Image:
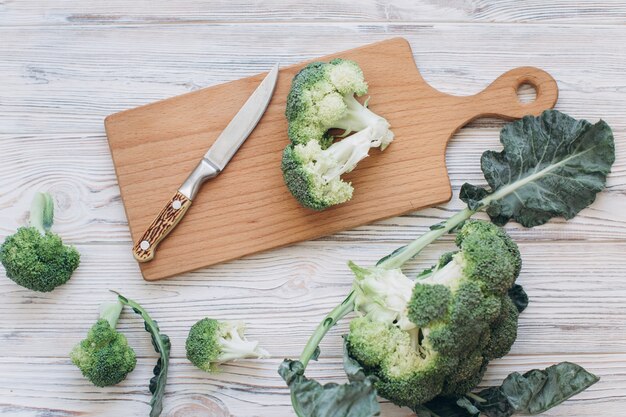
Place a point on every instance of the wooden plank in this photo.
(40, 12)
(54, 80)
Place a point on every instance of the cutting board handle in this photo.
(500, 98)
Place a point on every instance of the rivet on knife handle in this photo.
(164, 223)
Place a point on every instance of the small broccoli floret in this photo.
(211, 342)
(466, 376)
(503, 331)
(430, 302)
(406, 375)
(36, 258)
(104, 357)
(489, 255)
(322, 97)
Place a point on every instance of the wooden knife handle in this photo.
(164, 223)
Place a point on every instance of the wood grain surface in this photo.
(67, 65)
(247, 208)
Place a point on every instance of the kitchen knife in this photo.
(211, 164)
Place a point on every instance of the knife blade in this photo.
(212, 163)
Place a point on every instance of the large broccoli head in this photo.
(447, 325)
(211, 342)
(104, 356)
(36, 258)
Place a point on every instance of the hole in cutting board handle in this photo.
(526, 93)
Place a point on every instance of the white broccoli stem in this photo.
(358, 117)
(111, 312)
(448, 275)
(236, 346)
(42, 212)
(347, 153)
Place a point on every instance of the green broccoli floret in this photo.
(211, 342)
(322, 97)
(104, 357)
(36, 258)
(503, 331)
(406, 375)
(313, 174)
(435, 335)
(466, 376)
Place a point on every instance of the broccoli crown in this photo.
(436, 335)
(39, 262)
(406, 375)
(503, 331)
(489, 255)
(211, 342)
(316, 103)
(104, 357)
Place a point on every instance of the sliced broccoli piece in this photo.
(36, 258)
(406, 375)
(313, 174)
(503, 331)
(104, 356)
(211, 342)
(322, 97)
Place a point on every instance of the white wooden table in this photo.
(65, 65)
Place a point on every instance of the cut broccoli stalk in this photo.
(36, 258)
(358, 117)
(104, 356)
(42, 212)
(211, 342)
(313, 174)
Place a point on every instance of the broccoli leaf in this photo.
(495, 403)
(447, 407)
(162, 345)
(519, 297)
(536, 391)
(311, 399)
(354, 370)
(552, 165)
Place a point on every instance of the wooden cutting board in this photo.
(247, 208)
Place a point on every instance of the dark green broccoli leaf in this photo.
(519, 297)
(447, 407)
(311, 399)
(551, 166)
(162, 345)
(535, 391)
